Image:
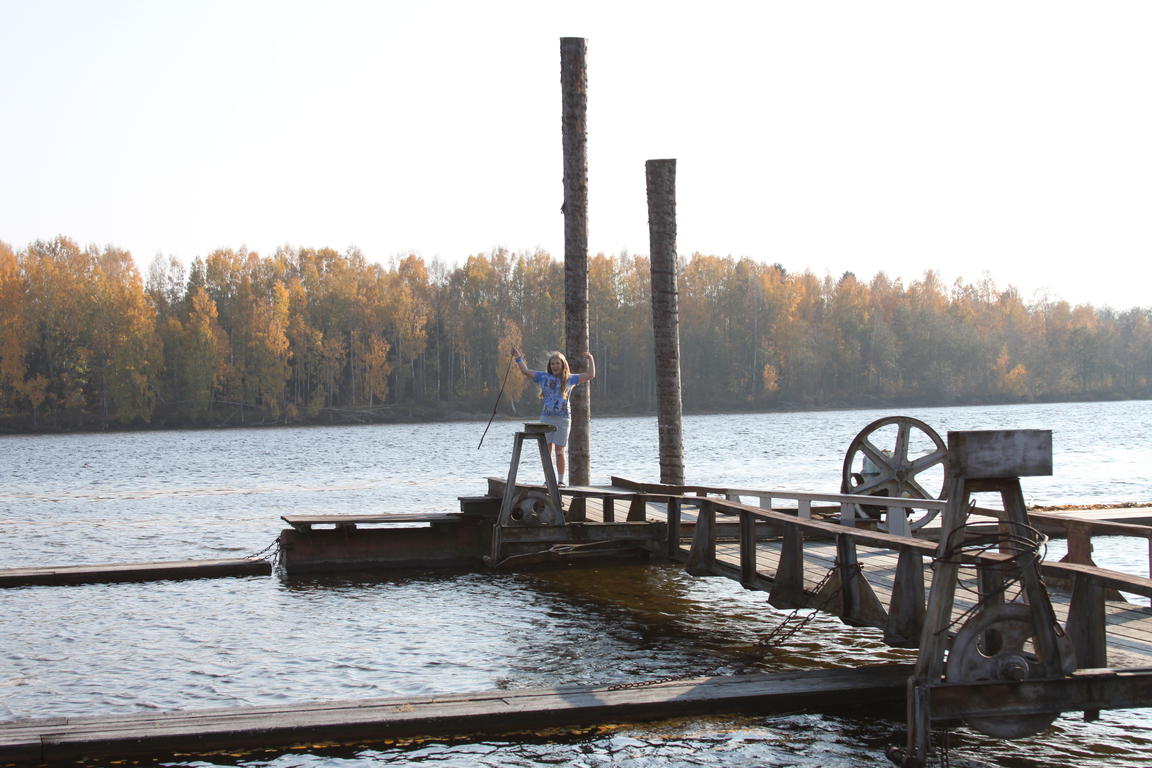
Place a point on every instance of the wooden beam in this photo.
(747, 550)
(660, 177)
(305, 522)
(674, 510)
(1086, 690)
(906, 611)
(131, 572)
(638, 509)
(574, 136)
(1124, 582)
(59, 740)
(788, 589)
(577, 510)
(1000, 453)
(702, 558)
(859, 606)
(1086, 627)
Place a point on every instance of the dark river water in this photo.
(73, 499)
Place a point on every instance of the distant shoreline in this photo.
(432, 415)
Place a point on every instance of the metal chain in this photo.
(274, 557)
(785, 630)
(781, 633)
(659, 680)
(560, 550)
(1028, 542)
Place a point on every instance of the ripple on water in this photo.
(71, 499)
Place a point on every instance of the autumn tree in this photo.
(123, 339)
(202, 349)
(60, 278)
(14, 332)
(307, 334)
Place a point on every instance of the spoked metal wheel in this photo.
(997, 644)
(897, 456)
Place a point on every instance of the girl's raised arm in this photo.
(589, 374)
(519, 360)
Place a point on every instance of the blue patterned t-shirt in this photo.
(555, 404)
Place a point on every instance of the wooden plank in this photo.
(1091, 690)
(305, 522)
(587, 532)
(1000, 453)
(131, 572)
(496, 487)
(492, 712)
(1135, 522)
(1107, 578)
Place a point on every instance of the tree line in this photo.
(316, 336)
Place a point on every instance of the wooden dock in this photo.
(59, 740)
(1007, 641)
(805, 557)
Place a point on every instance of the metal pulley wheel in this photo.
(997, 645)
(534, 508)
(896, 456)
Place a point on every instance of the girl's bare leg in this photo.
(561, 462)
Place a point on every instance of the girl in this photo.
(555, 386)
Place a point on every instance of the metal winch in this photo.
(527, 507)
(1010, 634)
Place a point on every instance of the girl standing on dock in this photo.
(555, 386)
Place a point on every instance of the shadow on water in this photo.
(616, 623)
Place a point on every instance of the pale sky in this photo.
(1004, 139)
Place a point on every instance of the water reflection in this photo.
(805, 740)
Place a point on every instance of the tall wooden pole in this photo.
(661, 177)
(574, 83)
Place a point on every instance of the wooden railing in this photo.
(895, 515)
(856, 602)
(1080, 532)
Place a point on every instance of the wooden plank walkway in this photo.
(56, 740)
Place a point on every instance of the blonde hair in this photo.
(565, 372)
